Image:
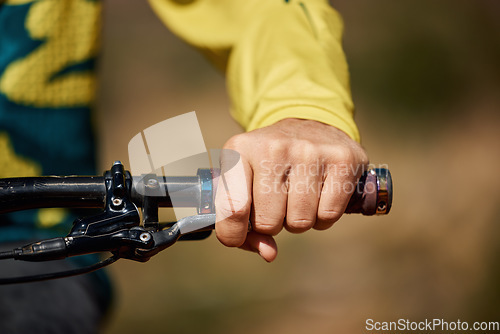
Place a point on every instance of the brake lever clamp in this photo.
(116, 229)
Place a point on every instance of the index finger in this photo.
(233, 199)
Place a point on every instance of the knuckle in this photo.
(229, 240)
(239, 214)
(269, 227)
(343, 154)
(306, 151)
(278, 146)
(298, 225)
(362, 162)
(329, 216)
(236, 141)
(276, 150)
(363, 159)
(230, 232)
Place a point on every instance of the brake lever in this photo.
(166, 238)
(117, 229)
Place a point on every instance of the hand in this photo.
(297, 174)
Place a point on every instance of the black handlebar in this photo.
(373, 194)
(25, 193)
(117, 228)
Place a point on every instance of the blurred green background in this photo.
(426, 83)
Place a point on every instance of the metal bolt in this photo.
(152, 183)
(145, 237)
(68, 240)
(117, 201)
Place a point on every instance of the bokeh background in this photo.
(426, 83)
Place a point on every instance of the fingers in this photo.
(335, 195)
(269, 199)
(272, 184)
(262, 244)
(285, 196)
(340, 182)
(303, 199)
(233, 201)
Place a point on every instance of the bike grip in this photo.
(372, 194)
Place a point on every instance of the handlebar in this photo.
(373, 194)
(117, 228)
(25, 193)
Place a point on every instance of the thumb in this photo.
(263, 244)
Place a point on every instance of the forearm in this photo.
(282, 59)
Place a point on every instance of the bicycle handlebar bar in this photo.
(117, 228)
(373, 194)
(25, 193)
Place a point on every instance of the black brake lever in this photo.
(116, 229)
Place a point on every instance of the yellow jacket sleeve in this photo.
(283, 59)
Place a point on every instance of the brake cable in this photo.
(61, 274)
